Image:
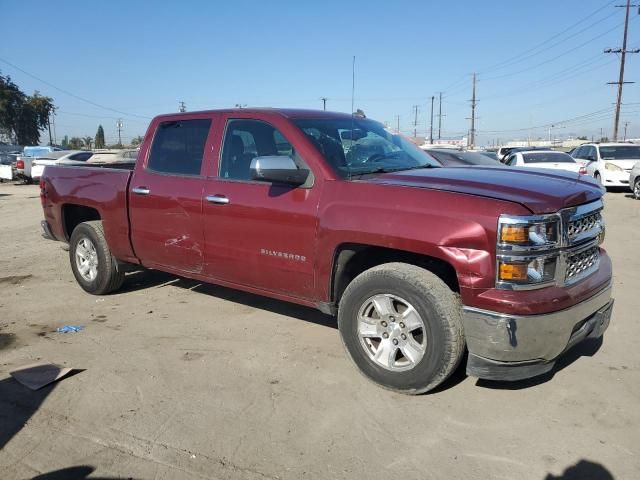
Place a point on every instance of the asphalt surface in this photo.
(176, 379)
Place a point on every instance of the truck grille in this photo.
(584, 224)
(581, 263)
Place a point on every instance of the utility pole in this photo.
(324, 103)
(397, 123)
(183, 107)
(415, 121)
(431, 125)
(439, 114)
(49, 125)
(55, 140)
(472, 130)
(601, 135)
(119, 124)
(623, 52)
(624, 139)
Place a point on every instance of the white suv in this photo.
(609, 163)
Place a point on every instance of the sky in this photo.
(537, 62)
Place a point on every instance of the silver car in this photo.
(634, 180)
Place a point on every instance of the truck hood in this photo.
(539, 191)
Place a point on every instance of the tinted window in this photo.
(512, 160)
(578, 152)
(245, 140)
(547, 157)
(621, 152)
(178, 147)
(81, 157)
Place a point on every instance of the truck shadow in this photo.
(80, 472)
(587, 348)
(583, 470)
(143, 279)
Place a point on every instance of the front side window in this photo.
(178, 147)
(245, 140)
(358, 146)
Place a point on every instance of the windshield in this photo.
(360, 146)
(621, 152)
(547, 157)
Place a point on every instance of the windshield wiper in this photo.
(388, 170)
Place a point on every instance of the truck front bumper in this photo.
(515, 347)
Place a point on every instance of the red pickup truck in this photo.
(333, 211)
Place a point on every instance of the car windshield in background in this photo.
(454, 158)
(621, 152)
(360, 146)
(547, 157)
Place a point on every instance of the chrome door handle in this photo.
(141, 190)
(219, 199)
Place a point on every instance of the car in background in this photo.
(489, 154)
(8, 165)
(609, 163)
(551, 159)
(634, 180)
(54, 158)
(24, 162)
(503, 152)
(458, 158)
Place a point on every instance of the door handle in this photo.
(219, 199)
(141, 190)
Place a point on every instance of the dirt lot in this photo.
(184, 380)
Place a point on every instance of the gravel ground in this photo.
(177, 379)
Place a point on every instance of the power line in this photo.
(66, 92)
(559, 34)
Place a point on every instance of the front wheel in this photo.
(402, 327)
(95, 269)
(636, 189)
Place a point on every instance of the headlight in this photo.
(514, 232)
(612, 167)
(533, 272)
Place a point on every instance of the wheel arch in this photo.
(351, 259)
(74, 214)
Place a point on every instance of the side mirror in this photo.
(278, 169)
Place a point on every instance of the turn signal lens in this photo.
(513, 271)
(514, 234)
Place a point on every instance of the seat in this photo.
(238, 163)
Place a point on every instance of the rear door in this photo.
(165, 198)
(259, 234)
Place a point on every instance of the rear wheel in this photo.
(636, 189)
(95, 269)
(402, 327)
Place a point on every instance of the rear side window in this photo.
(547, 157)
(81, 157)
(178, 147)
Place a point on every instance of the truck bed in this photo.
(102, 187)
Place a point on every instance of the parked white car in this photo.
(634, 180)
(609, 163)
(544, 159)
(39, 163)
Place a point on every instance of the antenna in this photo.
(353, 85)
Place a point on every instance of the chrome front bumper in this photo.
(498, 343)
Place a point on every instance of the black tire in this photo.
(109, 274)
(440, 309)
(598, 178)
(636, 189)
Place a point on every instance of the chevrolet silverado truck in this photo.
(419, 263)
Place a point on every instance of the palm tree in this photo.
(88, 141)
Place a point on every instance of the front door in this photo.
(165, 199)
(256, 233)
